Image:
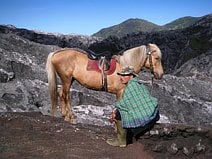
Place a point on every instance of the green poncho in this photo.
(137, 107)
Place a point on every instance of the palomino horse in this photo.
(70, 65)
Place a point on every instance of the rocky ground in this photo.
(33, 135)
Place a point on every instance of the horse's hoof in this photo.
(71, 120)
(67, 118)
(63, 115)
(63, 112)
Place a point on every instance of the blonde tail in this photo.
(52, 81)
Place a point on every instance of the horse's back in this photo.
(66, 55)
(67, 61)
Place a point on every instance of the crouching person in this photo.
(136, 112)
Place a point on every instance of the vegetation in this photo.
(182, 23)
(139, 25)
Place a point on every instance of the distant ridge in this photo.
(140, 25)
(182, 22)
(127, 27)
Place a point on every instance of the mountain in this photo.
(139, 25)
(182, 22)
(127, 27)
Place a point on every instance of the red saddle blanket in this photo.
(93, 65)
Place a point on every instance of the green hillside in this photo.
(182, 23)
(128, 27)
(139, 25)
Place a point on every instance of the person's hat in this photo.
(127, 70)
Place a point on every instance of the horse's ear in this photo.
(149, 44)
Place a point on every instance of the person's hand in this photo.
(113, 116)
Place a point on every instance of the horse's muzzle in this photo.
(158, 76)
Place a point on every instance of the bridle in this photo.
(149, 56)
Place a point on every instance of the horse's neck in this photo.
(134, 57)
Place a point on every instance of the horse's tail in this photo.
(52, 81)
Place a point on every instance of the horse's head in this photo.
(153, 60)
(144, 56)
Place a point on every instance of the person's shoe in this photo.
(120, 141)
(116, 143)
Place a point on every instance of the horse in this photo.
(70, 64)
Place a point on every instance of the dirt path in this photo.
(33, 136)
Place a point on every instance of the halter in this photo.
(149, 55)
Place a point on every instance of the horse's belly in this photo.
(90, 80)
(93, 80)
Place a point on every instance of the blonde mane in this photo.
(133, 57)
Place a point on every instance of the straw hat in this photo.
(127, 70)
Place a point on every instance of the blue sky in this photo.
(89, 16)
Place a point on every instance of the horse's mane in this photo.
(133, 57)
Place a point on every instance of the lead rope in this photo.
(152, 84)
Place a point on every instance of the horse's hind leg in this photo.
(62, 102)
(65, 95)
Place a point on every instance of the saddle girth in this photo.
(104, 75)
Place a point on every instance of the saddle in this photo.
(94, 65)
(100, 56)
(103, 63)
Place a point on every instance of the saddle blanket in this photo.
(93, 65)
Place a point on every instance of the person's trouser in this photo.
(137, 132)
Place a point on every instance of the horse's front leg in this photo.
(119, 94)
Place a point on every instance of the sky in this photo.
(87, 17)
